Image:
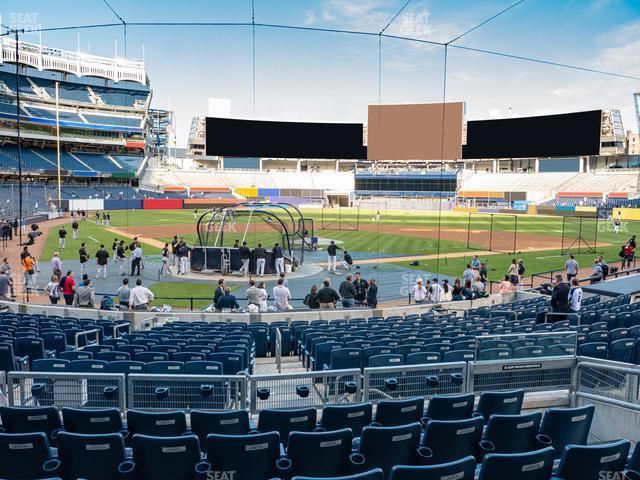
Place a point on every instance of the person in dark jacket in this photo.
(219, 291)
(102, 258)
(261, 259)
(332, 250)
(278, 255)
(84, 257)
(361, 286)
(347, 292)
(327, 296)
(245, 256)
(311, 300)
(227, 301)
(372, 294)
(347, 261)
(560, 298)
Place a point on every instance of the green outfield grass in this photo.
(169, 290)
(89, 233)
(397, 243)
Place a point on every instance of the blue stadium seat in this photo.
(593, 462)
(535, 465)
(354, 416)
(504, 403)
(345, 358)
(230, 422)
(594, 349)
(252, 457)
(54, 341)
(97, 349)
(422, 358)
(565, 426)
(185, 357)
(131, 349)
(529, 352)
(167, 457)
(30, 420)
(232, 363)
(450, 407)
(112, 356)
(127, 367)
(30, 347)
(165, 368)
(375, 474)
(26, 456)
(75, 355)
(495, 354)
(151, 356)
(514, 433)
(385, 447)
(560, 350)
(95, 457)
(450, 440)
(203, 368)
(463, 469)
(318, 454)
(50, 365)
(386, 360)
(459, 356)
(92, 421)
(399, 412)
(621, 350)
(157, 424)
(285, 421)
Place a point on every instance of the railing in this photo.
(608, 382)
(77, 390)
(86, 334)
(186, 392)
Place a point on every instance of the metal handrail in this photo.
(87, 333)
(630, 393)
(279, 350)
(121, 326)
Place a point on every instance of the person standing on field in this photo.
(261, 259)
(278, 255)
(102, 259)
(62, 233)
(84, 256)
(122, 258)
(331, 257)
(74, 228)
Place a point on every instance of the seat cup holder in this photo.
(391, 384)
(263, 393)
(302, 391)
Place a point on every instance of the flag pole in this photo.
(58, 148)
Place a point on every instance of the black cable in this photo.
(486, 21)
(253, 47)
(114, 12)
(124, 24)
(397, 15)
(411, 39)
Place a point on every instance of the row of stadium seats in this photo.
(347, 439)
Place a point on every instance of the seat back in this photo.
(503, 403)
(385, 447)
(252, 457)
(622, 350)
(355, 417)
(536, 465)
(204, 367)
(92, 421)
(451, 440)
(285, 421)
(231, 422)
(344, 358)
(593, 462)
(112, 356)
(399, 412)
(50, 365)
(30, 420)
(165, 368)
(513, 433)
(463, 469)
(386, 360)
(88, 366)
(165, 457)
(90, 456)
(450, 407)
(127, 366)
(567, 426)
(158, 424)
(23, 455)
(75, 355)
(421, 358)
(320, 454)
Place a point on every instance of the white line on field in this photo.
(94, 239)
(550, 256)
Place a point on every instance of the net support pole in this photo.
(58, 148)
(515, 234)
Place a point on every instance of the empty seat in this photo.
(459, 356)
(285, 421)
(94, 457)
(503, 403)
(127, 366)
(421, 358)
(319, 454)
(536, 465)
(26, 456)
(621, 350)
(355, 417)
(252, 457)
(566, 426)
(158, 424)
(92, 421)
(514, 433)
(148, 357)
(385, 447)
(529, 352)
(494, 354)
(345, 358)
(232, 422)
(399, 412)
(463, 469)
(203, 368)
(112, 356)
(593, 462)
(165, 368)
(450, 407)
(386, 360)
(593, 349)
(449, 440)
(166, 457)
(30, 420)
(76, 355)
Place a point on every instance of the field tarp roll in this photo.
(162, 204)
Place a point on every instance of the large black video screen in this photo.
(259, 138)
(565, 135)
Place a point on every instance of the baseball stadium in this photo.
(332, 239)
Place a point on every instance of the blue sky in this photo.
(313, 76)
